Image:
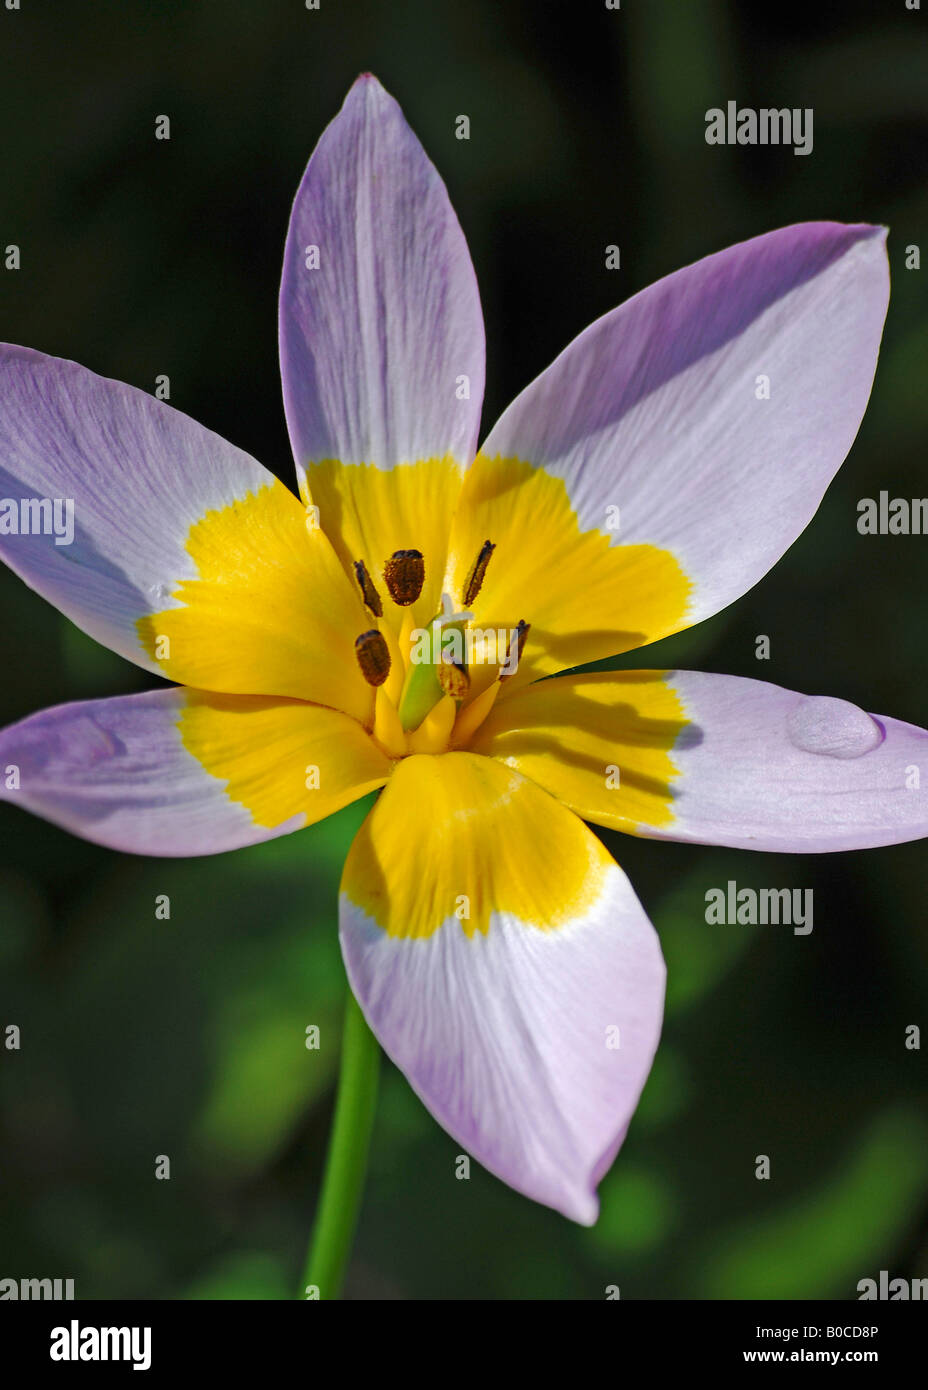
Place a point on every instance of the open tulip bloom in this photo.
(407, 625)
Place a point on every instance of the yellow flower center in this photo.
(423, 702)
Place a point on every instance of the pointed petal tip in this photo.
(874, 231)
(500, 1061)
(582, 1208)
(367, 85)
(371, 203)
(847, 234)
(871, 239)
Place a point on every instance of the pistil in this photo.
(420, 675)
(423, 687)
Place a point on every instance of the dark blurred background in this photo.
(185, 1037)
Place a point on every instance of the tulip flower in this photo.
(412, 623)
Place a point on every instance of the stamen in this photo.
(452, 678)
(388, 731)
(474, 582)
(368, 592)
(404, 575)
(471, 716)
(373, 656)
(434, 732)
(521, 633)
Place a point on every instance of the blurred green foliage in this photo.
(186, 1037)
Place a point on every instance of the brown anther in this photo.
(521, 634)
(453, 678)
(474, 582)
(368, 592)
(373, 656)
(404, 575)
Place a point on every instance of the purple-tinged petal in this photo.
(375, 339)
(174, 548)
(381, 343)
(681, 755)
(501, 957)
(182, 772)
(698, 423)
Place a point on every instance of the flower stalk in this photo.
(346, 1161)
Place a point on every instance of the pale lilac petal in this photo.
(656, 420)
(137, 473)
(374, 343)
(527, 1028)
(761, 767)
(681, 755)
(124, 772)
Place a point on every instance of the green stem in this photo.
(346, 1162)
